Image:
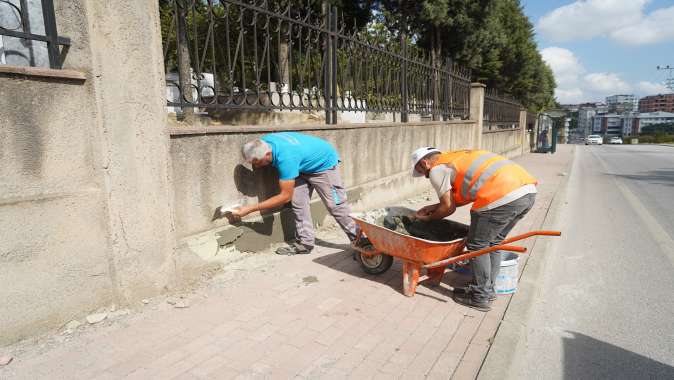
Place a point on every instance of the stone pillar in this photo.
(85, 203)
(523, 130)
(133, 143)
(477, 111)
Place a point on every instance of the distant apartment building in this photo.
(621, 103)
(641, 120)
(657, 103)
(611, 124)
(570, 107)
(586, 112)
(628, 123)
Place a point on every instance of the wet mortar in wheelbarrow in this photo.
(434, 245)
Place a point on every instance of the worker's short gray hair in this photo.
(255, 149)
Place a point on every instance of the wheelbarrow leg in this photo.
(410, 278)
(435, 275)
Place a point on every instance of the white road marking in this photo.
(660, 236)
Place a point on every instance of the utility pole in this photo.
(669, 81)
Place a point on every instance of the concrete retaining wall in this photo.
(506, 143)
(84, 198)
(207, 172)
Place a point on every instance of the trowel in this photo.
(223, 210)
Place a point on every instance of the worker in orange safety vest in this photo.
(501, 192)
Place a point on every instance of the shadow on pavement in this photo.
(658, 177)
(343, 261)
(327, 244)
(589, 358)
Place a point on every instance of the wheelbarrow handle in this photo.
(470, 255)
(530, 234)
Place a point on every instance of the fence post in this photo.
(435, 94)
(184, 63)
(333, 66)
(403, 81)
(448, 94)
(476, 112)
(50, 31)
(327, 61)
(523, 128)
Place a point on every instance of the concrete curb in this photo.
(511, 330)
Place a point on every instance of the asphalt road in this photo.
(605, 309)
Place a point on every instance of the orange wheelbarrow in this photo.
(418, 254)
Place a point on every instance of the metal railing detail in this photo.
(234, 54)
(15, 22)
(500, 111)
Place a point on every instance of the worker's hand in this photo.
(424, 218)
(426, 211)
(240, 212)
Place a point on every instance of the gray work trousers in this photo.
(487, 229)
(328, 185)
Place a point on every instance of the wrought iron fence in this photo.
(29, 30)
(500, 112)
(264, 54)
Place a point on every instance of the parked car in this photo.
(615, 140)
(594, 140)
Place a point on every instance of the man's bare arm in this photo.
(283, 197)
(445, 208)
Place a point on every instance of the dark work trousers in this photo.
(487, 229)
(328, 185)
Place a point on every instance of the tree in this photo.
(663, 128)
(493, 38)
(202, 39)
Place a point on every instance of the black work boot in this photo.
(294, 249)
(466, 299)
(466, 290)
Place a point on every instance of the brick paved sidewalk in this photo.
(312, 317)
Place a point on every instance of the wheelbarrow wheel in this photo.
(376, 264)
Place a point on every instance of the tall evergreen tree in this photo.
(493, 38)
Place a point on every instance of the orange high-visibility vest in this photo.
(483, 177)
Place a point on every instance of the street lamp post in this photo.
(669, 82)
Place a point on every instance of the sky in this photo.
(598, 48)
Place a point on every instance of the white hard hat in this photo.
(418, 155)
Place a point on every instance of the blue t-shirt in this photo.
(295, 153)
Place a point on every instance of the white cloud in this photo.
(650, 88)
(588, 19)
(656, 27)
(621, 20)
(606, 83)
(564, 64)
(575, 85)
(570, 96)
(567, 70)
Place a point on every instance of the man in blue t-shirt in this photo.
(304, 163)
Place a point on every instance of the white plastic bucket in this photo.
(506, 281)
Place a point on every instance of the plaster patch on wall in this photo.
(228, 236)
(204, 246)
